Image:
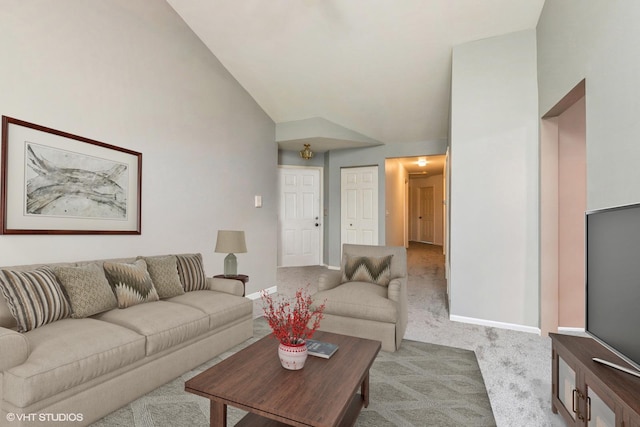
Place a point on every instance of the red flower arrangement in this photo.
(292, 321)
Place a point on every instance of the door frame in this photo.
(321, 214)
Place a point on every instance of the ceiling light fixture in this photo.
(422, 162)
(306, 153)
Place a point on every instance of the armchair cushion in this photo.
(362, 300)
(370, 269)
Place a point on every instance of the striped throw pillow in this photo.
(35, 297)
(191, 272)
(367, 269)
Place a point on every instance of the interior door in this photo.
(359, 205)
(299, 219)
(426, 214)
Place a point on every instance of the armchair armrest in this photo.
(397, 290)
(329, 280)
(14, 348)
(229, 286)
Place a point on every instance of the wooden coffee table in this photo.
(326, 392)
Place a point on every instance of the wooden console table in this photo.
(587, 393)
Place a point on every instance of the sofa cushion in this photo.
(191, 272)
(360, 300)
(164, 274)
(67, 353)
(87, 288)
(130, 282)
(35, 297)
(163, 323)
(366, 269)
(222, 308)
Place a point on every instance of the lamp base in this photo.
(230, 265)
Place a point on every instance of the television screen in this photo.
(613, 279)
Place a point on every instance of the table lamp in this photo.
(230, 242)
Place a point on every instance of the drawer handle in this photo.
(573, 403)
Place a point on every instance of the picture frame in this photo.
(54, 182)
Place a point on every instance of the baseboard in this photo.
(568, 330)
(331, 267)
(257, 295)
(494, 324)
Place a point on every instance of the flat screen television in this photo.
(613, 280)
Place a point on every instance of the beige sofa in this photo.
(80, 369)
(367, 298)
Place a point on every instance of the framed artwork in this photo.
(54, 182)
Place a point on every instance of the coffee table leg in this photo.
(218, 414)
(364, 390)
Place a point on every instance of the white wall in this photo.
(597, 41)
(494, 182)
(132, 74)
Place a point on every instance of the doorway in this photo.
(563, 205)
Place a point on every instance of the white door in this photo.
(299, 218)
(359, 205)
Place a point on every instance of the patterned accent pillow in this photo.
(191, 272)
(130, 282)
(367, 269)
(164, 275)
(35, 297)
(87, 288)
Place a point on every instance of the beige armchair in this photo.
(367, 298)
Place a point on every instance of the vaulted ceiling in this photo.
(381, 68)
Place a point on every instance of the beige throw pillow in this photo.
(164, 275)
(88, 290)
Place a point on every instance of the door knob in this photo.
(317, 225)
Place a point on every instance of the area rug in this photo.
(421, 384)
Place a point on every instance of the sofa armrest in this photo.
(329, 280)
(229, 286)
(14, 348)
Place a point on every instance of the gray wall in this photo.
(494, 182)
(132, 74)
(597, 41)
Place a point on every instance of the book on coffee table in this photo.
(321, 348)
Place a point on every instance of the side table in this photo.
(242, 277)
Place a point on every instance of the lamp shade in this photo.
(231, 242)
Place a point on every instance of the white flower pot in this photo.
(292, 356)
